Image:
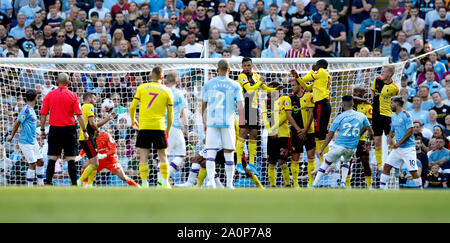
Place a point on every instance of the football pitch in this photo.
(154, 205)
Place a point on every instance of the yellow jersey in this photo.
(366, 109)
(88, 111)
(382, 99)
(274, 116)
(154, 99)
(300, 109)
(250, 84)
(321, 83)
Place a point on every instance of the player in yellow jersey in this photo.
(251, 84)
(321, 92)
(90, 145)
(300, 117)
(155, 100)
(383, 89)
(277, 125)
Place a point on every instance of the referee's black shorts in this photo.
(62, 139)
(381, 124)
(322, 113)
(156, 139)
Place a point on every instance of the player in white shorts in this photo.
(351, 124)
(28, 141)
(404, 147)
(220, 96)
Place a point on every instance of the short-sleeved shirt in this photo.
(179, 102)
(401, 122)
(27, 117)
(349, 123)
(436, 181)
(62, 104)
(154, 99)
(300, 109)
(438, 155)
(442, 112)
(88, 111)
(383, 94)
(366, 109)
(358, 18)
(420, 115)
(245, 45)
(221, 94)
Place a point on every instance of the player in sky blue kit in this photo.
(351, 124)
(404, 147)
(27, 140)
(220, 96)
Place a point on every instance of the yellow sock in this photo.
(86, 172)
(379, 156)
(252, 150)
(318, 148)
(295, 170)
(92, 175)
(347, 181)
(201, 176)
(164, 170)
(143, 170)
(368, 181)
(272, 174)
(285, 172)
(256, 181)
(239, 149)
(310, 168)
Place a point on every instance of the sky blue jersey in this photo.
(349, 123)
(27, 117)
(179, 102)
(401, 122)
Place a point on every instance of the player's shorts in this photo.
(363, 149)
(90, 147)
(177, 144)
(31, 152)
(336, 151)
(406, 155)
(297, 143)
(62, 139)
(322, 113)
(156, 139)
(251, 119)
(220, 138)
(273, 150)
(111, 166)
(381, 124)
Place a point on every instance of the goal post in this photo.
(118, 79)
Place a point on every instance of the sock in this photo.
(379, 156)
(252, 150)
(383, 181)
(285, 173)
(418, 182)
(131, 182)
(344, 172)
(92, 176)
(256, 181)
(229, 168)
(211, 164)
(50, 171)
(368, 181)
(72, 171)
(87, 172)
(193, 173)
(40, 175)
(218, 182)
(143, 170)
(164, 169)
(175, 165)
(311, 167)
(295, 170)
(30, 176)
(320, 173)
(201, 176)
(240, 149)
(272, 174)
(348, 181)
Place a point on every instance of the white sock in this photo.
(320, 173)
(229, 168)
(384, 180)
(40, 175)
(30, 176)
(418, 182)
(175, 164)
(211, 164)
(193, 173)
(344, 172)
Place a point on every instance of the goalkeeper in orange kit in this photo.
(107, 149)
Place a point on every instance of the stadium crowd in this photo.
(235, 28)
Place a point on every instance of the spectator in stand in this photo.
(321, 40)
(49, 38)
(311, 7)
(174, 40)
(132, 14)
(254, 34)
(284, 12)
(164, 14)
(432, 16)
(272, 51)
(150, 51)
(414, 27)
(301, 17)
(260, 12)
(166, 50)
(106, 45)
(447, 126)
(215, 35)
(121, 6)
(433, 86)
(424, 7)
(361, 10)
(123, 50)
(401, 40)
(435, 179)
(442, 22)
(192, 6)
(221, 20)
(388, 48)
(269, 24)
(391, 25)
(442, 110)
(231, 34)
(26, 43)
(100, 9)
(184, 27)
(439, 42)
(229, 9)
(438, 131)
(96, 51)
(417, 112)
(424, 93)
(193, 49)
(126, 28)
(136, 49)
(181, 52)
(432, 116)
(337, 34)
(396, 10)
(423, 133)
(341, 7)
(371, 27)
(19, 30)
(204, 22)
(439, 67)
(284, 45)
(99, 29)
(73, 18)
(320, 6)
(54, 20)
(155, 28)
(427, 67)
(421, 155)
(359, 43)
(60, 41)
(29, 10)
(246, 46)
(145, 13)
(440, 155)
(213, 50)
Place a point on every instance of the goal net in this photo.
(118, 79)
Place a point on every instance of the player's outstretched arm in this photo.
(14, 130)
(107, 119)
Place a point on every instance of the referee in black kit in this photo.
(62, 104)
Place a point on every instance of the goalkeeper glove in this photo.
(101, 156)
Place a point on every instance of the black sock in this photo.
(72, 171)
(50, 172)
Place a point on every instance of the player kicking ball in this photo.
(404, 147)
(351, 124)
(107, 149)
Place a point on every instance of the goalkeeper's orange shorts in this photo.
(111, 165)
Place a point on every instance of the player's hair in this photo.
(172, 77)
(359, 87)
(322, 63)
(398, 100)
(157, 73)
(246, 59)
(347, 100)
(30, 95)
(391, 67)
(63, 78)
(274, 84)
(223, 65)
(87, 95)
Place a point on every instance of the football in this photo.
(107, 105)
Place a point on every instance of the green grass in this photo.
(83, 205)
